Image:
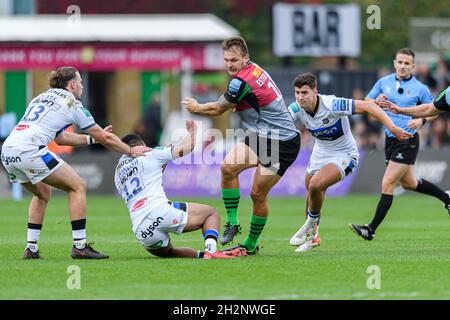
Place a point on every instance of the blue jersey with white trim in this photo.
(46, 116)
(329, 125)
(405, 93)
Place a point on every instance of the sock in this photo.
(313, 217)
(33, 232)
(423, 186)
(383, 206)
(200, 254)
(211, 236)
(79, 233)
(257, 224)
(231, 200)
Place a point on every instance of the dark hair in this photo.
(235, 42)
(305, 79)
(60, 77)
(406, 51)
(133, 139)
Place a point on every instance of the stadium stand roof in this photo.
(115, 28)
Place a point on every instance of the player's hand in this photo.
(191, 126)
(380, 98)
(389, 106)
(139, 151)
(190, 104)
(400, 134)
(108, 128)
(415, 124)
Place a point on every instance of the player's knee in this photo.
(44, 194)
(213, 212)
(257, 195)
(409, 185)
(315, 186)
(387, 184)
(81, 186)
(228, 170)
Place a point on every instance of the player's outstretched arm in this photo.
(420, 111)
(113, 142)
(188, 144)
(210, 108)
(374, 110)
(76, 139)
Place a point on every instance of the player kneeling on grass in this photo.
(153, 216)
(335, 154)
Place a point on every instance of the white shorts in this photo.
(346, 163)
(31, 165)
(153, 232)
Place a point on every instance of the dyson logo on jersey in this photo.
(140, 203)
(7, 160)
(149, 231)
(330, 133)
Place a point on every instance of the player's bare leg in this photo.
(203, 217)
(263, 181)
(319, 183)
(174, 252)
(240, 158)
(66, 179)
(36, 212)
(307, 237)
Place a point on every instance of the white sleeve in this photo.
(162, 155)
(82, 117)
(294, 110)
(342, 107)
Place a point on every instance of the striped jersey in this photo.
(442, 102)
(260, 104)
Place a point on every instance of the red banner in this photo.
(110, 57)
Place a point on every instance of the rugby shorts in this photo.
(346, 163)
(275, 155)
(402, 151)
(31, 165)
(153, 231)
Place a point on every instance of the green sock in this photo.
(256, 227)
(231, 200)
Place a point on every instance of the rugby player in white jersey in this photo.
(153, 216)
(335, 154)
(28, 161)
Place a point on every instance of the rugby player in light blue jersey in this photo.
(440, 105)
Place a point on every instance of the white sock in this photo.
(33, 235)
(79, 238)
(33, 246)
(32, 239)
(313, 218)
(211, 245)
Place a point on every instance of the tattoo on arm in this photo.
(224, 103)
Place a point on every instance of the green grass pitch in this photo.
(412, 250)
